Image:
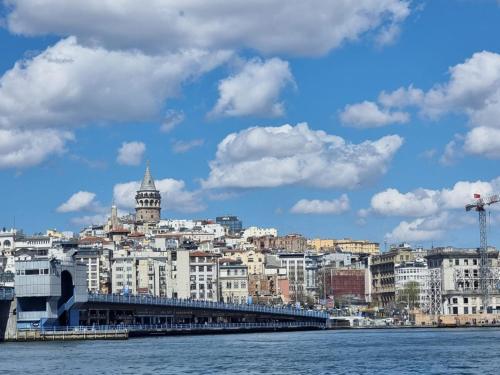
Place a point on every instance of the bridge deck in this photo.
(205, 305)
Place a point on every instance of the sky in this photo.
(373, 119)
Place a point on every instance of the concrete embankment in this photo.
(35, 335)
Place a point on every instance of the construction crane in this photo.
(480, 205)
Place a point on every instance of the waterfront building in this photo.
(410, 282)
(456, 271)
(233, 282)
(382, 270)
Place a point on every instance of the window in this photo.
(33, 272)
(474, 262)
(457, 262)
(209, 268)
(466, 300)
(228, 285)
(193, 268)
(200, 268)
(455, 300)
(466, 262)
(466, 310)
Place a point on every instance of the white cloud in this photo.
(71, 85)
(131, 153)
(391, 202)
(171, 120)
(82, 200)
(270, 26)
(483, 141)
(473, 89)
(416, 230)
(369, 115)
(174, 195)
(26, 148)
(427, 202)
(335, 206)
(90, 220)
(180, 147)
(254, 90)
(286, 155)
(452, 151)
(429, 228)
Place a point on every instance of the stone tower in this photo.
(147, 200)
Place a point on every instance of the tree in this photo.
(409, 295)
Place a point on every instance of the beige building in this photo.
(383, 268)
(254, 260)
(346, 245)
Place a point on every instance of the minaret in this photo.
(147, 200)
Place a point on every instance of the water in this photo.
(401, 351)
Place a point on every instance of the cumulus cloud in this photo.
(254, 90)
(287, 155)
(85, 220)
(180, 147)
(80, 201)
(473, 89)
(370, 115)
(335, 206)
(429, 228)
(26, 148)
(483, 141)
(71, 85)
(426, 202)
(175, 197)
(286, 26)
(391, 202)
(171, 120)
(435, 211)
(131, 153)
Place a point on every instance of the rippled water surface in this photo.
(405, 351)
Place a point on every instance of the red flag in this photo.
(477, 196)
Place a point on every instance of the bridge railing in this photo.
(178, 327)
(200, 304)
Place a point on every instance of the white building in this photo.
(407, 273)
(203, 273)
(259, 232)
(233, 282)
(456, 272)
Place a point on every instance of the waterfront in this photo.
(401, 351)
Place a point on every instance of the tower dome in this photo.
(147, 200)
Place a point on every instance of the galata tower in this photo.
(147, 200)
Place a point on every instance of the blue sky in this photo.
(92, 79)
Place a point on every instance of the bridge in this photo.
(51, 293)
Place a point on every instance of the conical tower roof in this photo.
(148, 183)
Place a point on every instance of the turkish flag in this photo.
(477, 196)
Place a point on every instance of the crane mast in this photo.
(484, 265)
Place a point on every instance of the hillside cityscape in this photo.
(222, 261)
